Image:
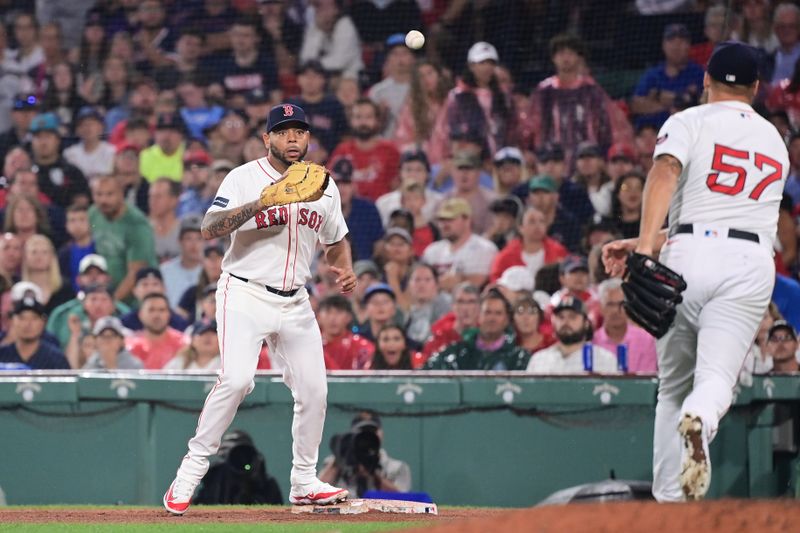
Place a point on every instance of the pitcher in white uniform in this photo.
(720, 169)
(261, 295)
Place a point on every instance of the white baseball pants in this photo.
(729, 285)
(246, 315)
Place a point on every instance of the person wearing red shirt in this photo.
(343, 350)
(375, 160)
(157, 343)
(448, 329)
(533, 249)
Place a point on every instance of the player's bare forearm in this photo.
(221, 223)
(341, 263)
(659, 188)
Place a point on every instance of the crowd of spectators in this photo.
(479, 176)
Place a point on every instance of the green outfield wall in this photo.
(504, 440)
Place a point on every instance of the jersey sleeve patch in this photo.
(219, 201)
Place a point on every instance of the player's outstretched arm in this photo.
(220, 223)
(662, 180)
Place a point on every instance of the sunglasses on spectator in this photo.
(526, 310)
(781, 338)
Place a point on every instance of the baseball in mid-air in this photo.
(415, 39)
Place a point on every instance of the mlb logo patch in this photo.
(219, 201)
(711, 233)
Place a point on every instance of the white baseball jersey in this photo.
(276, 246)
(474, 257)
(734, 167)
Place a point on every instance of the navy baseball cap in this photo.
(88, 112)
(26, 103)
(378, 288)
(148, 272)
(733, 63)
(285, 113)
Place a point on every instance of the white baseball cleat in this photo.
(695, 464)
(179, 496)
(316, 493)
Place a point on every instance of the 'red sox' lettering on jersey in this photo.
(279, 216)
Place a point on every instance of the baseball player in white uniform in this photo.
(719, 169)
(261, 295)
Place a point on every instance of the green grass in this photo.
(343, 527)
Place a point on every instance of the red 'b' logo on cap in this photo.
(288, 111)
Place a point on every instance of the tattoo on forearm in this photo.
(673, 163)
(221, 223)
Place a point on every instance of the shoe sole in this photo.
(336, 498)
(696, 469)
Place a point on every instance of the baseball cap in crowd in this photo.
(569, 301)
(552, 152)
(509, 205)
(312, 65)
(516, 278)
(672, 31)
(733, 63)
(782, 325)
(170, 121)
(109, 322)
(621, 151)
(365, 266)
(342, 171)
(88, 111)
(213, 247)
(572, 263)
(395, 39)
(508, 154)
(482, 51)
(204, 326)
(222, 164)
(25, 102)
(190, 223)
(466, 159)
(148, 272)
(588, 149)
(92, 260)
(284, 114)
(454, 208)
(197, 157)
(542, 183)
(398, 232)
(365, 420)
(128, 146)
(44, 122)
(376, 288)
(415, 155)
(23, 289)
(28, 303)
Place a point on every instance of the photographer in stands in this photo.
(359, 463)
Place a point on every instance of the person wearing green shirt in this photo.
(490, 346)
(122, 234)
(165, 157)
(92, 273)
